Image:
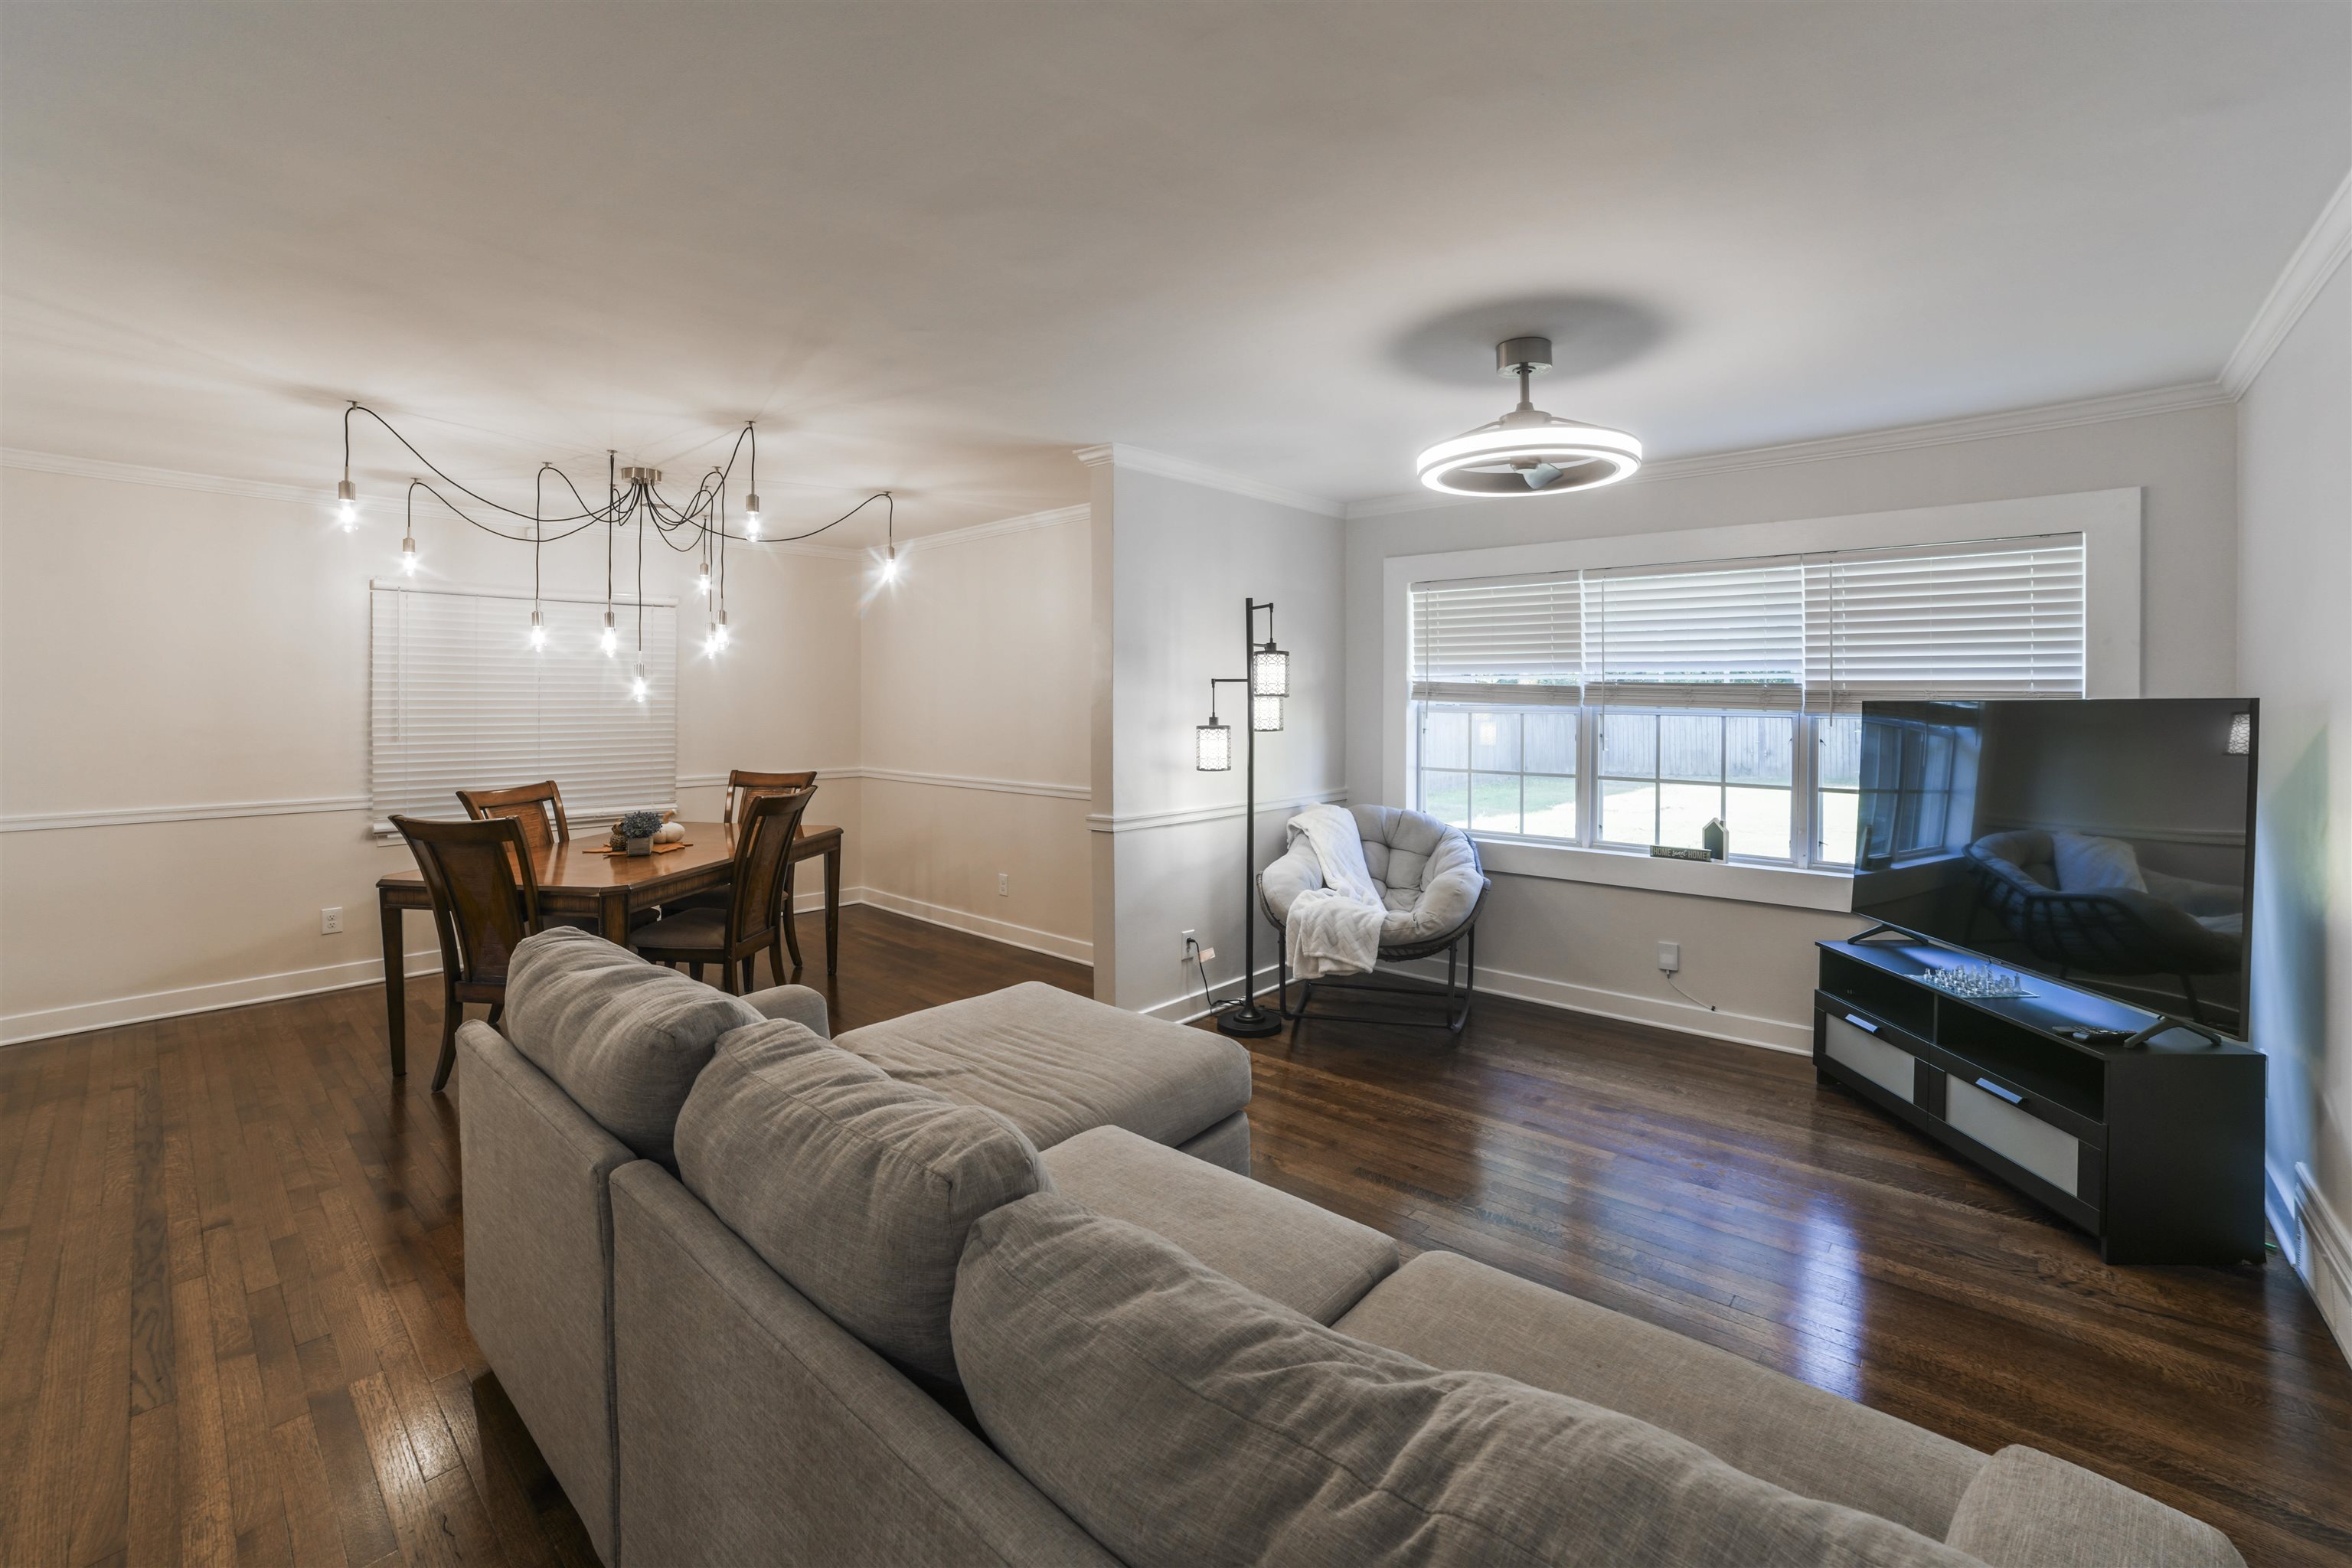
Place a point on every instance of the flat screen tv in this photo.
(2103, 842)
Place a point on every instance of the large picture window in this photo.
(1629, 707)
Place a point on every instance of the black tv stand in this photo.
(2144, 1131)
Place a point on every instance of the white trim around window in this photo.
(2108, 520)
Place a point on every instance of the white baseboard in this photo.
(1052, 943)
(1684, 1017)
(1183, 1009)
(20, 1028)
(2324, 1257)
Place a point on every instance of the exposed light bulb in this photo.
(702, 582)
(408, 554)
(537, 632)
(752, 517)
(890, 565)
(610, 641)
(719, 636)
(347, 505)
(637, 684)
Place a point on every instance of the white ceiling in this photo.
(936, 247)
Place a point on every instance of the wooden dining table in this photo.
(573, 880)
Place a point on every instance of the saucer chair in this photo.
(2171, 926)
(1429, 879)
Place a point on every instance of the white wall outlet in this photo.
(1004, 884)
(1191, 939)
(331, 922)
(1670, 957)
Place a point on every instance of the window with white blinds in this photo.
(460, 700)
(1629, 706)
(1824, 632)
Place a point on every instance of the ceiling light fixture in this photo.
(1527, 451)
(697, 525)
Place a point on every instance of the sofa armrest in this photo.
(2028, 1510)
(1307, 1259)
(799, 1003)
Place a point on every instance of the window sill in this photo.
(1787, 886)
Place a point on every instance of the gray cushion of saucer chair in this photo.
(1427, 872)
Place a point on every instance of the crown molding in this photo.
(1896, 438)
(174, 479)
(1024, 523)
(292, 495)
(1120, 455)
(2306, 271)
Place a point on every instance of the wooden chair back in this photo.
(485, 893)
(763, 847)
(538, 806)
(750, 786)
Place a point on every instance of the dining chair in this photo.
(538, 806)
(485, 900)
(752, 918)
(746, 786)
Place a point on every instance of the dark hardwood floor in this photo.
(232, 1267)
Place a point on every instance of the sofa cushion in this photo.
(2028, 1510)
(622, 1037)
(1056, 1064)
(1219, 1427)
(857, 1188)
(1309, 1259)
(1459, 1314)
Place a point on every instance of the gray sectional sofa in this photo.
(990, 1283)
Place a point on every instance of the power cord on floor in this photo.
(1192, 952)
(1685, 995)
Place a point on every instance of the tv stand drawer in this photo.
(1889, 1067)
(2016, 1135)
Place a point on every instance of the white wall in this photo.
(173, 649)
(2295, 651)
(976, 692)
(1174, 562)
(1591, 946)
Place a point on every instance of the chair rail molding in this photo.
(1122, 456)
(1184, 816)
(204, 811)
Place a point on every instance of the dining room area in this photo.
(691, 895)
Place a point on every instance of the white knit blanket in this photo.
(1334, 928)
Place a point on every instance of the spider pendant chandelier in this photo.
(693, 525)
(1528, 452)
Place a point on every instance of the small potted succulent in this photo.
(638, 828)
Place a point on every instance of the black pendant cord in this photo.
(701, 512)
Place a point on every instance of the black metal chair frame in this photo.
(1459, 943)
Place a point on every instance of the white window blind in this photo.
(1469, 638)
(1992, 618)
(1719, 635)
(1998, 618)
(460, 700)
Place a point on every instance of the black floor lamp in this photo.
(1269, 682)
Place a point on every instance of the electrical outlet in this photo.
(331, 922)
(1192, 941)
(1004, 884)
(1670, 957)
